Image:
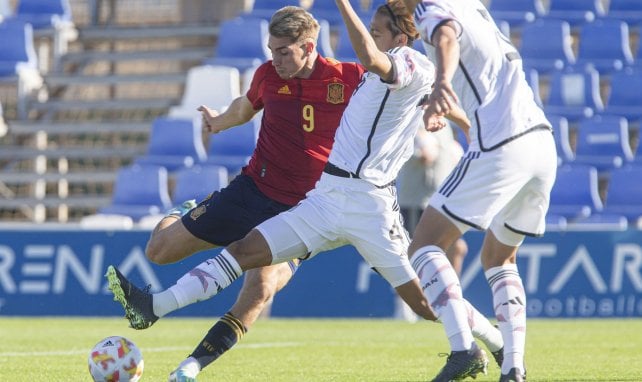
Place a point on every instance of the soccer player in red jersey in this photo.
(302, 96)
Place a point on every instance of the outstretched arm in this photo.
(369, 55)
(239, 112)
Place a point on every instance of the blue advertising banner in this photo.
(574, 274)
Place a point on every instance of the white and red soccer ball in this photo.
(115, 359)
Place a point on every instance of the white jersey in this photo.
(490, 82)
(375, 135)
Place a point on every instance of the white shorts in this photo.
(342, 211)
(508, 187)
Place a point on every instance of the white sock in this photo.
(483, 330)
(509, 301)
(441, 286)
(164, 302)
(207, 279)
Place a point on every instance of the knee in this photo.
(156, 250)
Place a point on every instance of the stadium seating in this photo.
(624, 194)
(199, 86)
(198, 181)
(242, 43)
(139, 191)
(233, 147)
(517, 12)
(603, 142)
(576, 12)
(266, 8)
(574, 93)
(17, 53)
(327, 10)
(629, 11)
(174, 143)
(561, 134)
(604, 44)
(575, 194)
(18, 61)
(42, 14)
(324, 43)
(532, 77)
(5, 9)
(546, 45)
(625, 98)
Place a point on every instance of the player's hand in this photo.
(434, 122)
(443, 98)
(208, 116)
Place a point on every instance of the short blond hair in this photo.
(294, 23)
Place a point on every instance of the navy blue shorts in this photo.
(229, 214)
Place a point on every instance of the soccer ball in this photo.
(115, 359)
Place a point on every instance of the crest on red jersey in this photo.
(335, 93)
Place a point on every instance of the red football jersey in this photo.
(300, 117)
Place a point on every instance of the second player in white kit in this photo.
(502, 184)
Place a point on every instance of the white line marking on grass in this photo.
(147, 350)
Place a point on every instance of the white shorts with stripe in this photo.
(507, 187)
(342, 211)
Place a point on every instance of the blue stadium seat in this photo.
(233, 147)
(561, 134)
(532, 77)
(266, 8)
(242, 43)
(603, 142)
(575, 194)
(324, 43)
(6, 10)
(574, 93)
(198, 181)
(174, 143)
(43, 14)
(343, 49)
(139, 191)
(546, 45)
(604, 44)
(17, 53)
(629, 11)
(624, 193)
(625, 97)
(327, 10)
(516, 12)
(576, 12)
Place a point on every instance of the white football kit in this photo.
(504, 179)
(354, 202)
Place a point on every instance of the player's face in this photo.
(380, 32)
(289, 59)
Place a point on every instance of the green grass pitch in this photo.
(56, 349)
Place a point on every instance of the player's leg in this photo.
(509, 297)
(456, 254)
(438, 277)
(523, 215)
(259, 286)
(171, 242)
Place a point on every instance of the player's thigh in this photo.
(230, 214)
(435, 228)
(304, 230)
(173, 244)
(525, 212)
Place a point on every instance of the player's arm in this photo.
(369, 55)
(444, 39)
(239, 112)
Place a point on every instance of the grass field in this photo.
(56, 349)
